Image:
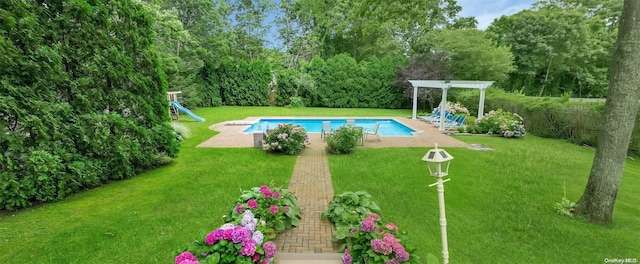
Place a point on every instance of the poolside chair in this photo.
(455, 124)
(326, 129)
(373, 131)
(447, 119)
(434, 115)
(351, 122)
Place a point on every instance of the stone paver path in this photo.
(311, 183)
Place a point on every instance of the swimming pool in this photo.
(388, 127)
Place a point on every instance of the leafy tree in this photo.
(558, 48)
(368, 28)
(597, 201)
(432, 66)
(473, 55)
(180, 54)
(250, 29)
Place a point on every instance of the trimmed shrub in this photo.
(343, 140)
(285, 138)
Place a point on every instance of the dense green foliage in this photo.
(241, 83)
(343, 140)
(561, 46)
(340, 81)
(82, 98)
(577, 122)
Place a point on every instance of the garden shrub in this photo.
(296, 101)
(361, 233)
(499, 122)
(277, 207)
(343, 140)
(247, 235)
(285, 138)
(349, 208)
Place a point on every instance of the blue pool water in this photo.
(388, 127)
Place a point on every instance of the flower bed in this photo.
(366, 239)
(258, 216)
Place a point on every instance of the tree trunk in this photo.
(546, 76)
(620, 112)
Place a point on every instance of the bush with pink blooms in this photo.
(285, 138)
(249, 230)
(367, 239)
(275, 206)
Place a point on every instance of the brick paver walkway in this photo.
(311, 183)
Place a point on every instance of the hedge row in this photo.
(577, 122)
(338, 82)
(82, 98)
(230, 83)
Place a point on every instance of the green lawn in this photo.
(499, 203)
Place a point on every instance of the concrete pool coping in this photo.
(369, 123)
(231, 134)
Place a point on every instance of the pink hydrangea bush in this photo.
(231, 243)
(249, 230)
(277, 207)
(285, 138)
(374, 242)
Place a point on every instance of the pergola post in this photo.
(481, 104)
(443, 105)
(415, 102)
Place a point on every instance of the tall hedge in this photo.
(342, 82)
(236, 83)
(82, 98)
(577, 122)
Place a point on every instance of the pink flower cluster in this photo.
(269, 250)
(264, 190)
(273, 209)
(367, 224)
(186, 258)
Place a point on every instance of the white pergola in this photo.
(445, 85)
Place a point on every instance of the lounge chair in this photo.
(447, 119)
(373, 131)
(434, 115)
(455, 124)
(351, 122)
(326, 129)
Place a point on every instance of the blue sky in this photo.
(486, 11)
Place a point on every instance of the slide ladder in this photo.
(186, 111)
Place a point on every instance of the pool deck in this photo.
(231, 135)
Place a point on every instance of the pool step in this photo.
(308, 258)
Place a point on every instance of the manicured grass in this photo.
(499, 203)
(143, 219)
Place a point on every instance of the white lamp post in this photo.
(438, 161)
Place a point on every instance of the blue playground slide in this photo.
(186, 111)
